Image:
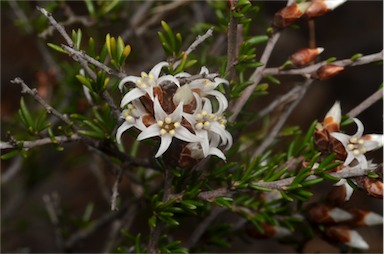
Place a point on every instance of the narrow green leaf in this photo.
(311, 182)
(9, 155)
(92, 134)
(57, 48)
(84, 81)
(79, 35)
(25, 112)
(152, 221)
(90, 7)
(285, 196)
(258, 187)
(356, 56)
(88, 212)
(273, 79)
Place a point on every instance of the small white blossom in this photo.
(145, 83)
(132, 116)
(357, 145)
(167, 127)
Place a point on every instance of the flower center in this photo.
(168, 126)
(204, 120)
(356, 146)
(147, 80)
(130, 114)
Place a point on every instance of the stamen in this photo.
(168, 120)
(163, 132)
(207, 124)
(160, 123)
(356, 152)
(361, 141)
(199, 126)
(172, 132)
(350, 147)
(353, 140)
(176, 125)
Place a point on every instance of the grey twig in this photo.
(232, 43)
(202, 227)
(36, 96)
(40, 142)
(256, 77)
(282, 119)
(313, 68)
(366, 103)
(155, 232)
(199, 39)
(52, 206)
(115, 191)
(279, 184)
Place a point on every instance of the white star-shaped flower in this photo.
(357, 145)
(167, 127)
(145, 83)
(132, 115)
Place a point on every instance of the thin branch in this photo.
(199, 39)
(366, 103)
(155, 232)
(310, 70)
(232, 43)
(37, 97)
(115, 191)
(278, 185)
(282, 119)
(52, 206)
(84, 233)
(39, 142)
(101, 66)
(255, 78)
(202, 227)
(12, 170)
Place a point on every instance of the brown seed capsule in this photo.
(328, 71)
(289, 15)
(374, 187)
(305, 56)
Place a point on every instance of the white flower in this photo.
(207, 87)
(167, 127)
(132, 115)
(210, 127)
(357, 145)
(145, 83)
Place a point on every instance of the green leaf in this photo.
(25, 113)
(273, 79)
(258, 187)
(107, 8)
(57, 48)
(311, 182)
(92, 134)
(88, 212)
(9, 155)
(152, 221)
(84, 81)
(285, 196)
(356, 56)
(90, 7)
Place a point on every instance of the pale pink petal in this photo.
(131, 95)
(166, 141)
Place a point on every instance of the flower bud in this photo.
(305, 56)
(320, 7)
(332, 119)
(328, 71)
(346, 236)
(325, 214)
(365, 218)
(289, 15)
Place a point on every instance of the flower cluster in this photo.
(187, 117)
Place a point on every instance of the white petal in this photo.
(128, 79)
(157, 68)
(218, 129)
(362, 161)
(360, 128)
(349, 159)
(190, 118)
(356, 241)
(348, 191)
(151, 131)
(125, 126)
(160, 114)
(182, 75)
(139, 124)
(371, 145)
(204, 141)
(166, 141)
(199, 102)
(184, 134)
(219, 81)
(207, 106)
(379, 138)
(223, 102)
(204, 70)
(168, 78)
(217, 152)
(230, 141)
(139, 106)
(131, 95)
(176, 115)
(343, 138)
